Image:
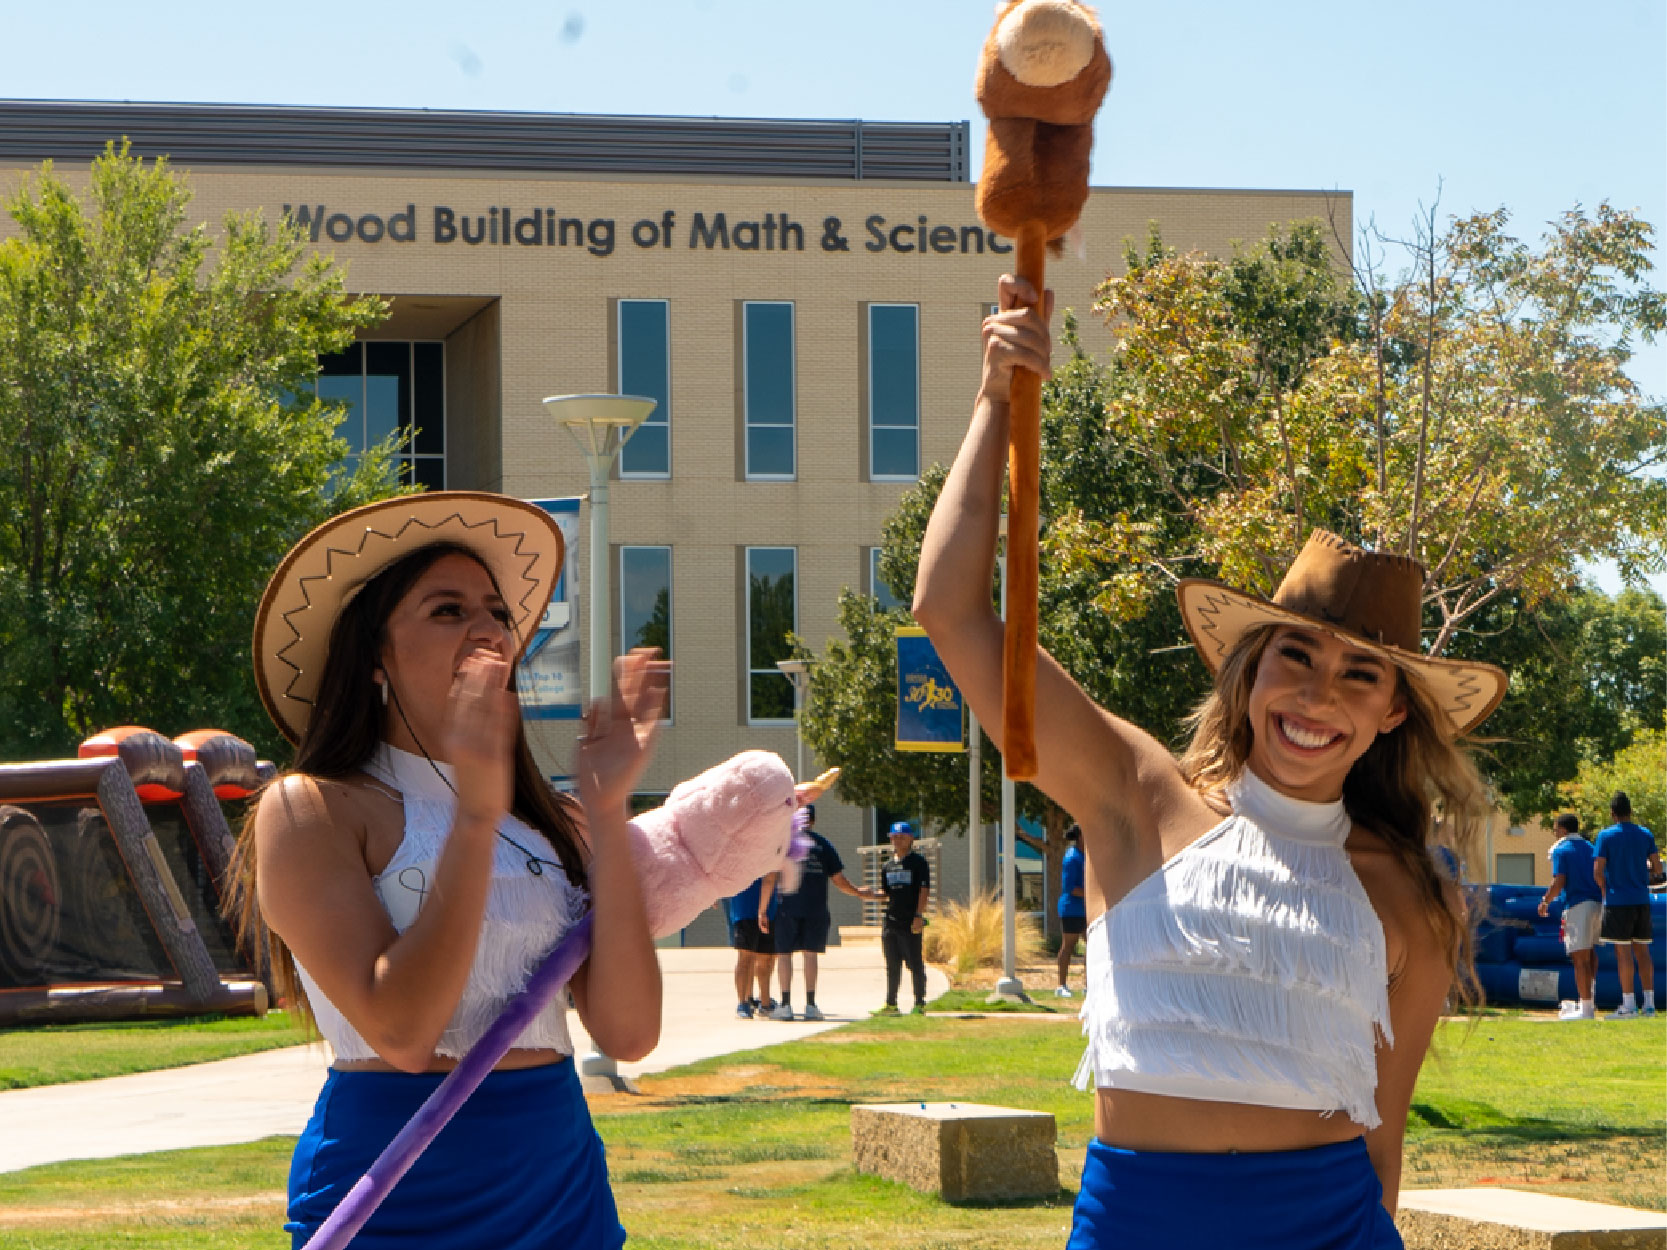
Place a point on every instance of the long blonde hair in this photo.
(1416, 787)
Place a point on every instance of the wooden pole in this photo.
(1024, 458)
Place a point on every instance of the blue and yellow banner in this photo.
(928, 702)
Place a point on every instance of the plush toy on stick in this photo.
(1043, 74)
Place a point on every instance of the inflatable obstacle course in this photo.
(111, 873)
(1520, 960)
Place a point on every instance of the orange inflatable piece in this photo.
(1043, 74)
(156, 765)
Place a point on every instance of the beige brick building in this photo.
(527, 246)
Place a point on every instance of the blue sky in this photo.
(1531, 105)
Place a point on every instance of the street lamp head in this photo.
(793, 667)
(600, 423)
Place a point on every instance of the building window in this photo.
(1514, 869)
(645, 600)
(645, 369)
(877, 586)
(767, 370)
(772, 614)
(389, 387)
(894, 392)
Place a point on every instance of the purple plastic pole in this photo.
(422, 1128)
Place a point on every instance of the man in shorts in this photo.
(755, 950)
(1073, 908)
(1626, 860)
(1571, 876)
(802, 918)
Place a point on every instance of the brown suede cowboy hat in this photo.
(1373, 599)
(517, 541)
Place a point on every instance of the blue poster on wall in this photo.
(550, 680)
(928, 702)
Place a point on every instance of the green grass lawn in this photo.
(754, 1148)
(51, 1054)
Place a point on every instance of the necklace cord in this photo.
(535, 863)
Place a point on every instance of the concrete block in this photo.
(961, 1151)
(1513, 1219)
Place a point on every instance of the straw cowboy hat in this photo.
(518, 542)
(1373, 599)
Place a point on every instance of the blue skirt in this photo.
(519, 1167)
(1324, 1198)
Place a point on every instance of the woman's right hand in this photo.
(1016, 337)
(481, 718)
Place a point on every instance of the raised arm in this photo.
(1086, 757)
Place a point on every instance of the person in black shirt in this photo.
(907, 882)
(802, 921)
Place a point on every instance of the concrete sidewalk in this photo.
(245, 1099)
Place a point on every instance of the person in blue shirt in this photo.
(755, 949)
(1626, 859)
(1073, 908)
(1572, 858)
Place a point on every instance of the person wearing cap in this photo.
(1572, 878)
(1270, 940)
(1073, 909)
(906, 880)
(413, 866)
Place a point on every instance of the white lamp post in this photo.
(1009, 986)
(601, 424)
(798, 672)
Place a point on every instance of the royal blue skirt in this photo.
(519, 1167)
(1323, 1198)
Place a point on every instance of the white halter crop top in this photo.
(1250, 968)
(526, 915)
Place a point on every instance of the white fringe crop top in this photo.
(526, 915)
(1250, 968)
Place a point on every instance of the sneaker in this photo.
(1648, 1009)
(812, 1012)
(782, 1012)
(1624, 1013)
(919, 1009)
(743, 1011)
(890, 1009)
(763, 1011)
(1567, 1010)
(1063, 991)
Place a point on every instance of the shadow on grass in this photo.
(1487, 1123)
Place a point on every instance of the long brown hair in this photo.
(1416, 787)
(344, 731)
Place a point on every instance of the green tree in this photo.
(1636, 769)
(1474, 412)
(1588, 671)
(160, 448)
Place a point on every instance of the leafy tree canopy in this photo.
(1474, 412)
(1637, 770)
(161, 446)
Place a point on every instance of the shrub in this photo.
(967, 936)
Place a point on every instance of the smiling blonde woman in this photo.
(1270, 939)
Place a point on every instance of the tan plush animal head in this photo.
(1043, 74)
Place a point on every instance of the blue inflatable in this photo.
(1520, 958)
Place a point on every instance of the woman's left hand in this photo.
(620, 730)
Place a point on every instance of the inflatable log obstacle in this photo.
(111, 870)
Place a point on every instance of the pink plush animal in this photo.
(716, 834)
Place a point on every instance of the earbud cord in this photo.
(535, 864)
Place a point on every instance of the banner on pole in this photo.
(551, 685)
(928, 702)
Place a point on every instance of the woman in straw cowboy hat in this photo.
(1271, 940)
(414, 867)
